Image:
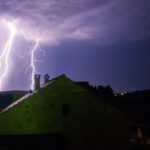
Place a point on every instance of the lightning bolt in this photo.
(4, 57)
(6, 53)
(32, 63)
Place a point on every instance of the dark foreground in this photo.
(43, 142)
(31, 142)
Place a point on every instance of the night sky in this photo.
(100, 41)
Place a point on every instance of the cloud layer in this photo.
(104, 22)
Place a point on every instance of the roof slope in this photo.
(42, 112)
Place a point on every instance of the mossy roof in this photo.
(42, 112)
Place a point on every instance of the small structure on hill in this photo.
(46, 78)
(37, 81)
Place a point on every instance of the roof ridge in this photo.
(18, 101)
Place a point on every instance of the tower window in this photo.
(65, 109)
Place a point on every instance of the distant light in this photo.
(122, 93)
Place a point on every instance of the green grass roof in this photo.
(42, 112)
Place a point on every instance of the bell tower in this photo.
(46, 78)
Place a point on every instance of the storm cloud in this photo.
(101, 41)
(102, 22)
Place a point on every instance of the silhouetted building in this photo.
(104, 91)
(61, 114)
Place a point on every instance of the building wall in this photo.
(63, 107)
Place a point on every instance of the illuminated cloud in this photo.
(103, 22)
